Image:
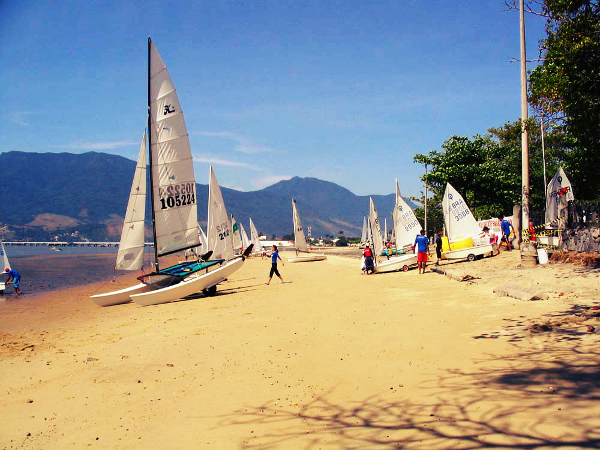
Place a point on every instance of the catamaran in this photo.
(406, 227)
(300, 240)
(174, 208)
(462, 229)
(5, 265)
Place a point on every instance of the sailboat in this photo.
(407, 227)
(300, 240)
(364, 236)
(255, 239)
(237, 238)
(245, 240)
(173, 199)
(461, 228)
(5, 265)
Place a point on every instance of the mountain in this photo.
(58, 192)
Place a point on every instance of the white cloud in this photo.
(268, 180)
(244, 145)
(225, 162)
(20, 117)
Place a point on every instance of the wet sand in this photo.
(332, 360)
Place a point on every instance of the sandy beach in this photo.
(331, 360)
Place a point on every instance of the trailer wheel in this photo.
(405, 268)
(471, 257)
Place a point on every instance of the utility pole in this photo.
(543, 152)
(524, 134)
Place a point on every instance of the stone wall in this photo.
(581, 239)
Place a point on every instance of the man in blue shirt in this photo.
(15, 277)
(506, 226)
(422, 248)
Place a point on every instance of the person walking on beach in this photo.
(422, 247)
(506, 226)
(438, 248)
(274, 256)
(368, 254)
(15, 277)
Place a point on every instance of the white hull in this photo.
(121, 296)
(306, 258)
(2, 287)
(402, 262)
(469, 253)
(191, 285)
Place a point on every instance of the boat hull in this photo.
(120, 296)
(469, 253)
(306, 258)
(191, 285)
(402, 262)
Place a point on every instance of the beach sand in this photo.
(331, 360)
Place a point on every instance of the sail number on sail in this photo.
(409, 221)
(223, 230)
(459, 210)
(177, 195)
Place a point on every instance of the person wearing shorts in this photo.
(274, 256)
(422, 247)
(15, 277)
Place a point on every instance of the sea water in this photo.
(43, 269)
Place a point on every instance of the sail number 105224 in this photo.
(176, 195)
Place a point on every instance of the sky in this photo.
(344, 91)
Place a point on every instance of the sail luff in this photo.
(245, 240)
(363, 237)
(175, 213)
(131, 248)
(299, 237)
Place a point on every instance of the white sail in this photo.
(203, 239)
(131, 248)
(4, 257)
(460, 223)
(406, 224)
(376, 237)
(385, 229)
(254, 236)
(245, 240)
(298, 230)
(236, 236)
(174, 186)
(364, 237)
(558, 189)
(220, 240)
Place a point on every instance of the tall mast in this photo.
(150, 162)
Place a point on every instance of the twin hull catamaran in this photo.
(300, 240)
(174, 208)
(461, 228)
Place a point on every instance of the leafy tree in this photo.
(341, 242)
(566, 85)
(287, 237)
(479, 169)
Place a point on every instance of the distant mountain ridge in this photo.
(89, 192)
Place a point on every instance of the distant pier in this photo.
(68, 244)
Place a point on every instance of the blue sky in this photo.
(345, 91)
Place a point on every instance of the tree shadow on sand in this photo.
(535, 398)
